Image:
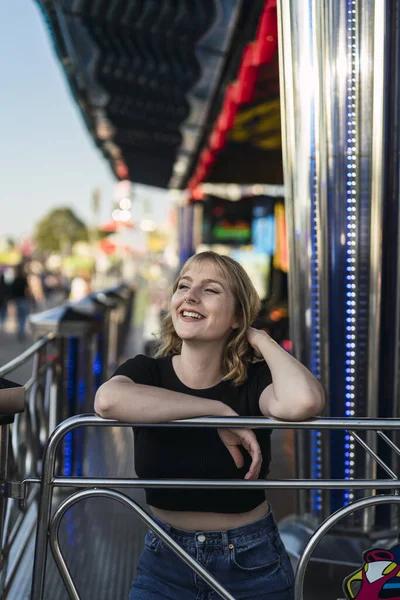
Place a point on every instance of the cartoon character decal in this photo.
(379, 577)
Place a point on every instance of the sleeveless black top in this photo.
(194, 452)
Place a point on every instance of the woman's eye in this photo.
(213, 291)
(182, 286)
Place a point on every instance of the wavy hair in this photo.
(237, 352)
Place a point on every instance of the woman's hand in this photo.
(233, 439)
(294, 394)
(254, 336)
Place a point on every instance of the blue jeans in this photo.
(250, 562)
(23, 307)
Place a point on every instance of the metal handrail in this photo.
(47, 526)
(26, 355)
(52, 394)
(326, 526)
(129, 503)
(24, 452)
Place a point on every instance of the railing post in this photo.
(44, 513)
(122, 295)
(12, 401)
(75, 326)
(106, 306)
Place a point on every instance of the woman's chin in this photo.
(187, 333)
(187, 337)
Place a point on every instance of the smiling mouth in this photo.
(188, 314)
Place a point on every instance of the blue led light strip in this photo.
(316, 442)
(71, 394)
(351, 242)
(98, 363)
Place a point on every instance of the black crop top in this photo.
(193, 452)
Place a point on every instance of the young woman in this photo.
(207, 366)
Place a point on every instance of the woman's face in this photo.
(203, 306)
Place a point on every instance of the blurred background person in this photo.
(3, 300)
(55, 289)
(36, 288)
(80, 287)
(21, 295)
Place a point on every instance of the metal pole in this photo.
(354, 424)
(228, 484)
(325, 527)
(4, 441)
(44, 512)
(321, 47)
(124, 500)
(393, 199)
(377, 190)
(287, 66)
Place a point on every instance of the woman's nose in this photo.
(191, 295)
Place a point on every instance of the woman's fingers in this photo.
(233, 439)
(250, 443)
(236, 455)
(253, 448)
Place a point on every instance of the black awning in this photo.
(141, 70)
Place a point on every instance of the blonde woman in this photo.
(206, 366)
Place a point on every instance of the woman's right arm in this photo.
(122, 399)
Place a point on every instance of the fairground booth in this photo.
(274, 123)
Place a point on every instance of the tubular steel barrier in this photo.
(48, 528)
(69, 362)
(28, 435)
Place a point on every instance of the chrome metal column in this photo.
(300, 101)
(296, 163)
(4, 441)
(332, 71)
(377, 169)
(388, 292)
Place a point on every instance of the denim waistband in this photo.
(236, 535)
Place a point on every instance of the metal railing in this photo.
(28, 435)
(48, 527)
(78, 348)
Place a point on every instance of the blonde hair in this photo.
(237, 353)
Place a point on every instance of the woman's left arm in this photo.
(294, 394)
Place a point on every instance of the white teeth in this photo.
(186, 313)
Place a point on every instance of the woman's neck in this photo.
(199, 368)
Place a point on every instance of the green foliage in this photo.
(59, 230)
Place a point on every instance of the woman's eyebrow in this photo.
(204, 281)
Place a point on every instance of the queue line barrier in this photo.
(77, 347)
(48, 527)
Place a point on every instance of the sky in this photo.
(47, 157)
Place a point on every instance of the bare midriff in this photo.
(209, 521)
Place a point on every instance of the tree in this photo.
(59, 230)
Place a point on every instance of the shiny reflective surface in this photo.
(28, 435)
(49, 482)
(332, 64)
(58, 556)
(327, 525)
(295, 155)
(56, 388)
(377, 202)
